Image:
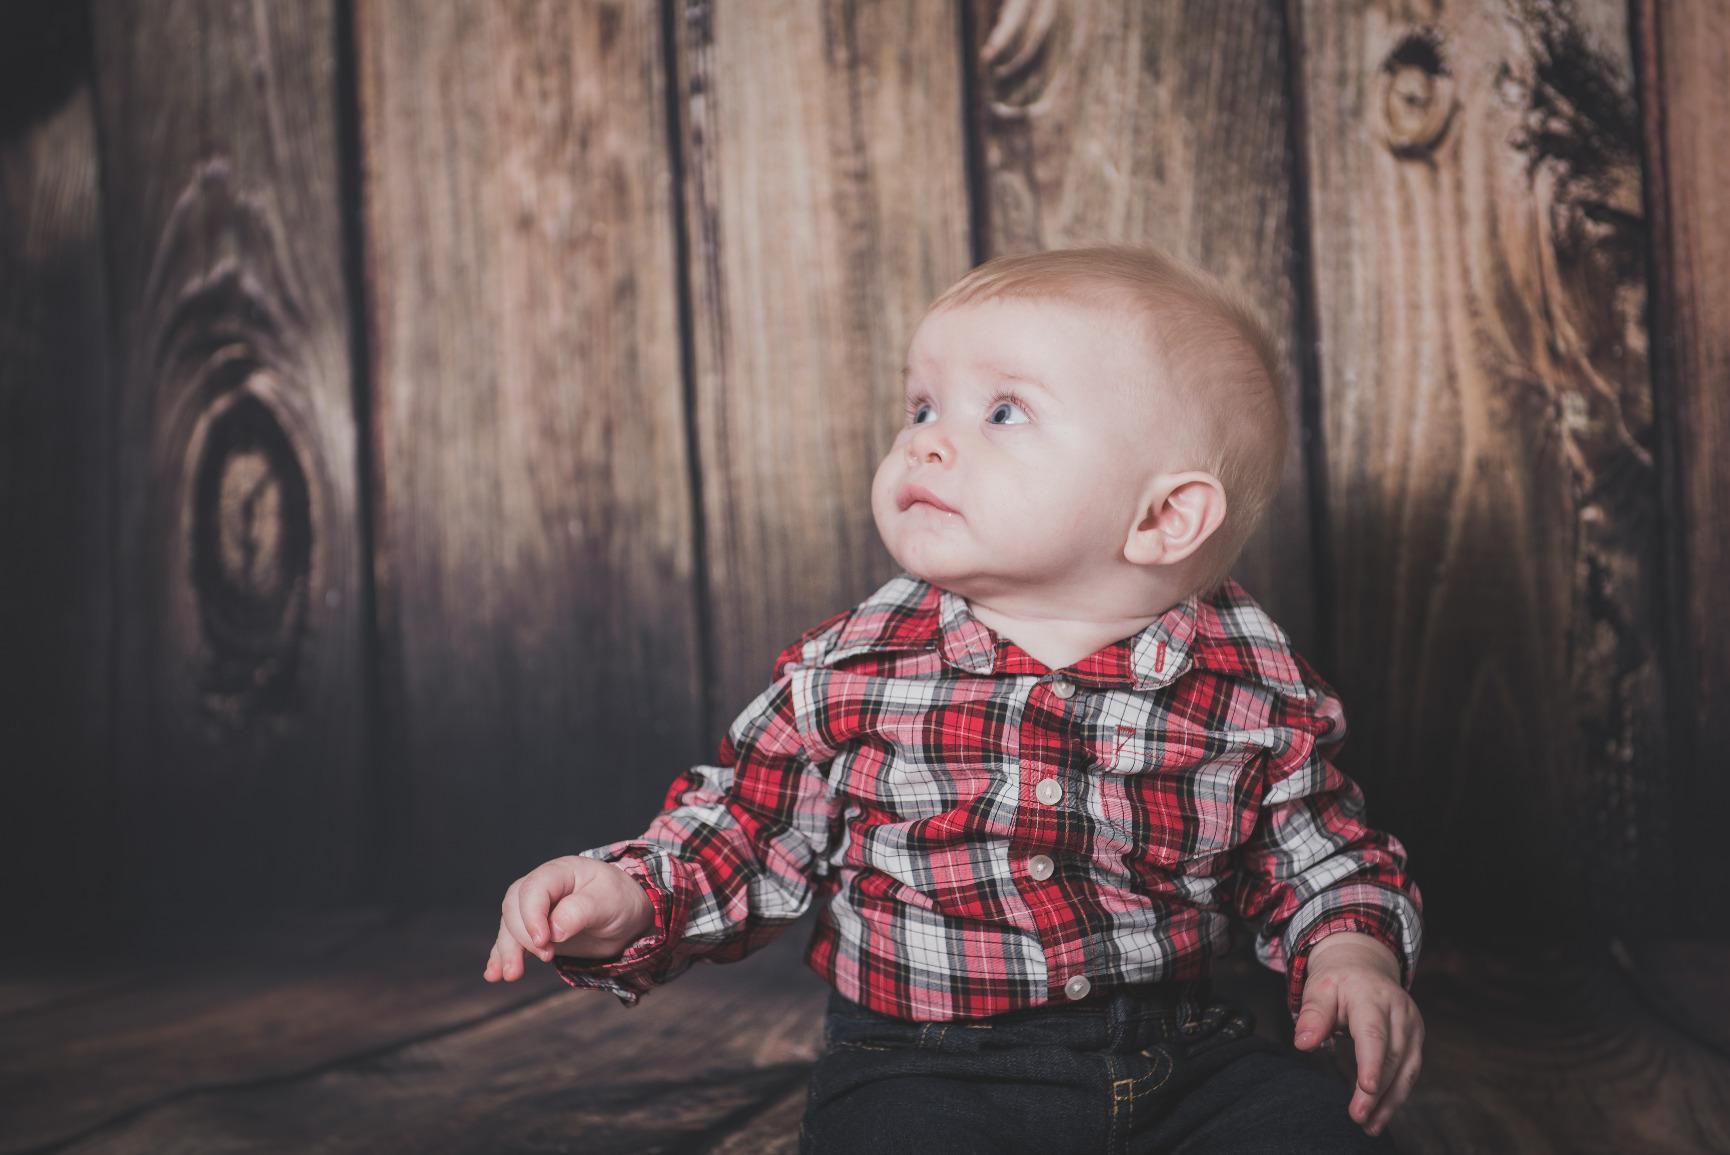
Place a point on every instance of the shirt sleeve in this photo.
(1313, 866)
(731, 859)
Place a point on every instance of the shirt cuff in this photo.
(1384, 914)
(646, 961)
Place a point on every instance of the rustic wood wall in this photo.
(421, 424)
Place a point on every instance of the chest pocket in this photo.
(1173, 801)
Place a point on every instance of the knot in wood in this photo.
(1417, 95)
(251, 529)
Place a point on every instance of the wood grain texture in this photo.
(276, 1004)
(1686, 55)
(1682, 982)
(826, 201)
(57, 836)
(44, 972)
(239, 696)
(1476, 212)
(1165, 124)
(1548, 1050)
(534, 531)
(304, 1036)
(525, 1066)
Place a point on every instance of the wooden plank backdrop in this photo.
(1685, 55)
(424, 422)
(57, 575)
(1491, 494)
(240, 708)
(539, 627)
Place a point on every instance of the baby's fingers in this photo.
(1401, 1084)
(511, 915)
(1316, 1018)
(506, 960)
(1375, 1060)
(535, 898)
(1399, 1089)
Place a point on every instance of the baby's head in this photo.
(1104, 425)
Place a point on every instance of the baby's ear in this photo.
(1178, 512)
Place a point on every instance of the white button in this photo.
(1077, 987)
(1040, 866)
(1049, 792)
(1063, 688)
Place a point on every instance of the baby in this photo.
(1030, 780)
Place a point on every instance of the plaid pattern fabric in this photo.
(980, 829)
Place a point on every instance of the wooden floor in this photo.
(371, 1033)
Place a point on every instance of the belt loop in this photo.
(1121, 1019)
(1133, 1018)
(1190, 1005)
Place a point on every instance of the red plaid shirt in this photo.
(990, 834)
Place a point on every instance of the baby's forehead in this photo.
(1017, 335)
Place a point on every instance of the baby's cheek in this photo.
(883, 490)
(883, 514)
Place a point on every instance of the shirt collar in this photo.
(909, 613)
(1145, 660)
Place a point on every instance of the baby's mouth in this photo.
(916, 495)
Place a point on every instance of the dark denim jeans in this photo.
(1166, 1068)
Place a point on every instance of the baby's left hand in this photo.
(1353, 981)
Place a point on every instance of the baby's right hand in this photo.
(585, 907)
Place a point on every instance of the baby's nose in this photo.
(927, 444)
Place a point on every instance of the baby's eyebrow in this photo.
(1037, 384)
(907, 371)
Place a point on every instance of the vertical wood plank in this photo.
(1480, 260)
(533, 511)
(56, 480)
(239, 700)
(1166, 124)
(827, 205)
(1685, 56)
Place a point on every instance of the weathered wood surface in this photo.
(1683, 982)
(385, 1037)
(365, 1032)
(56, 477)
(1166, 124)
(538, 626)
(65, 971)
(1685, 103)
(826, 204)
(245, 1010)
(1486, 412)
(239, 695)
(1552, 1050)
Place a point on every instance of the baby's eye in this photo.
(914, 409)
(1006, 404)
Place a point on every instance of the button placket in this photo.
(1048, 791)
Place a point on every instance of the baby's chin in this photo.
(923, 559)
(946, 565)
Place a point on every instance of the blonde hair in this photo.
(1207, 342)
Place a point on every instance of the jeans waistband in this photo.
(1132, 1016)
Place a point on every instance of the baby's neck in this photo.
(1060, 642)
